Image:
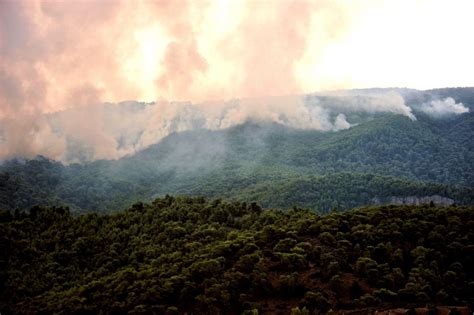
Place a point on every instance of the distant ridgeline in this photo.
(189, 255)
(382, 158)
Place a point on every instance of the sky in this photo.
(57, 54)
(63, 55)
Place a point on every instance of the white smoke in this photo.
(365, 101)
(341, 123)
(441, 108)
(111, 131)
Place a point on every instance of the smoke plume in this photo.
(111, 131)
(441, 108)
(66, 66)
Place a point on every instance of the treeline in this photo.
(384, 156)
(341, 191)
(180, 255)
(85, 188)
(24, 184)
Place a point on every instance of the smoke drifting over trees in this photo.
(111, 131)
(441, 108)
(64, 64)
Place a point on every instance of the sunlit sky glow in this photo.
(61, 54)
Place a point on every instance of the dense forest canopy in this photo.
(382, 158)
(177, 255)
(230, 157)
(67, 247)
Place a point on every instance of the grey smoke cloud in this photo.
(341, 123)
(61, 61)
(365, 101)
(112, 131)
(441, 108)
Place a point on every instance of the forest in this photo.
(258, 218)
(386, 158)
(177, 255)
(239, 157)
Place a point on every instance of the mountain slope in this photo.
(263, 161)
(323, 193)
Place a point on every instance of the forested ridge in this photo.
(236, 157)
(340, 191)
(285, 240)
(259, 161)
(179, 255)
(42, 182)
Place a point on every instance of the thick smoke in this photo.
(70, 57)
(57, 55)
(442, 108)
(341, 123)
(363, 101)
(110, 131)
(65, 66)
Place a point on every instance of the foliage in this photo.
(386, 158)
(179, 255)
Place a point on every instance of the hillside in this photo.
(246, 157)
(328, 192)
(381, 158)
(177, 255)
(279, 162)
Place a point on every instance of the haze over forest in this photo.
(236, 156)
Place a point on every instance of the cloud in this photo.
(364, 100)
(52, 51)
(30, 136)
(66, 66)
(341, 122)
(442, 108)
(112, 131)
(71, 57)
